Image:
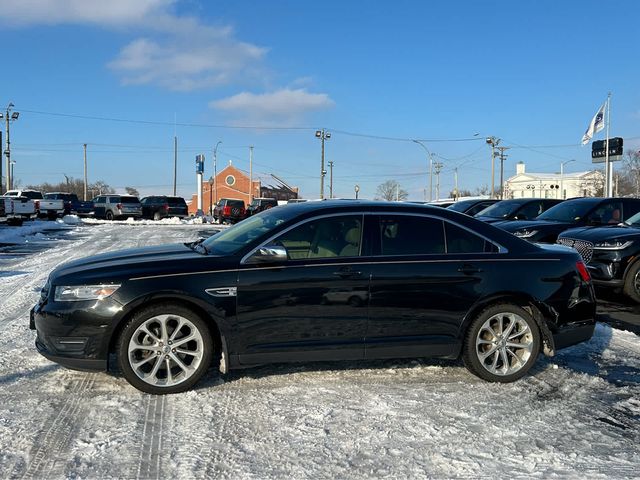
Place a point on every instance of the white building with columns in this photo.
(552, 185)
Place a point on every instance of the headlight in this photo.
(77, 293)
(525, 233)
(612, 244)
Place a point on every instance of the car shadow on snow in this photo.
(28, 374)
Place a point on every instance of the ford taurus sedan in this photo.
(332, 280)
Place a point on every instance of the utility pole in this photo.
(430, 157)
(250, 174)
(331, 179)
(84, 147)
(175, 163)
(455, 182)
(437, 168)
(494, 142)
(502, 159)
(322, 135)
(10, 116)
(1, 188)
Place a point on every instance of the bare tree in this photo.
(391, 190)
(73, 185)
(132, 191)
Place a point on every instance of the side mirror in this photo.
(269, 254)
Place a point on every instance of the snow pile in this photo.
(27, 232)
(70, 220)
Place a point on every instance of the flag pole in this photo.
(607, 163)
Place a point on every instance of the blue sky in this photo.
(531, 73)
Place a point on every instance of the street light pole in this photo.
(215, 172)
(331, 179)
(562, 164)
(430, 156)
(494, 142)
(322, 135)
(84, 147)
(437, 167)
(502, 159)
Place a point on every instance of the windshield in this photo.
(569, 212)
(242, 234)
(634, 221)
(501, 209)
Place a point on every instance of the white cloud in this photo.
(283, 106)
(102, 12)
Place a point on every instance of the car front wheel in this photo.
(502, 343)
(163, 349)
(109, 216)
(632, 282)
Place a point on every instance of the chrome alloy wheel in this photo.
(165, 350)
(504, 343)
(636, 282)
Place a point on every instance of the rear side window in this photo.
(32, 195)
(460, 240)
(411, 235)
(113, 199)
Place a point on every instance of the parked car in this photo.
(112, 207)
(259, 204)
(472, 206)
(611, 252)
(576, 212)
(516, 209)
(163, 206)
(16, 209)
(229, 210)
(430, 282)
(44, 207)
(72, 204)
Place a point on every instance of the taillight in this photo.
(37, 204)
(226, 210)
(166, 207)
(583, 271)
(119, 206)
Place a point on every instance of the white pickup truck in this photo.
(14, 210)
(45, 207)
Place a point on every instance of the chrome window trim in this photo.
(501, 249)
(307, 220)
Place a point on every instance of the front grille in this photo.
(585, 249)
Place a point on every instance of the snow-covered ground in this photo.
(577, 415)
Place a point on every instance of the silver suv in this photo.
(117, 206)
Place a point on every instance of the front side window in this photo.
(411, 235)
(329, 237)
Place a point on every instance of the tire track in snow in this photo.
(149, 461)
(58, 431)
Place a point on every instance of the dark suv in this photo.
(576, 212)
(259, 204)
(516, 209)
(162, 206)
(612, 254)
(229, 210)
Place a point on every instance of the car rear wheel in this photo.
(163, 349)
(632, 282)
(157, 216)
(109, 215)
(502, 343)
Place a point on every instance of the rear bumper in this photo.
(572, 334)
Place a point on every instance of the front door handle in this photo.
(347, 272)
(469, 269)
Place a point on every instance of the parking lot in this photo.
(576, 414)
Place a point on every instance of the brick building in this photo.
(231, 182)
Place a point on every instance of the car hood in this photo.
(596, 234)
(533, 225)
(136, 262)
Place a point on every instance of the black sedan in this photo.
(332, 280)
(577, 212)
(612, 254)
(516, 209)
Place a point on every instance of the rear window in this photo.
(128, 200)
(176, 201)
(235, 203)
(32, 195)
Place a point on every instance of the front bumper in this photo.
(75, 334)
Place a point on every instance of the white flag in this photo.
(597, 124)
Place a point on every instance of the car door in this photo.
(99, 207)
(426, 276)
(312, 306)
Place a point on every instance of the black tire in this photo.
(632, 282)
(109, 215)
(171, 314)
(479, 342)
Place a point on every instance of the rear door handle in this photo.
(469, 269)
(347, 272)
